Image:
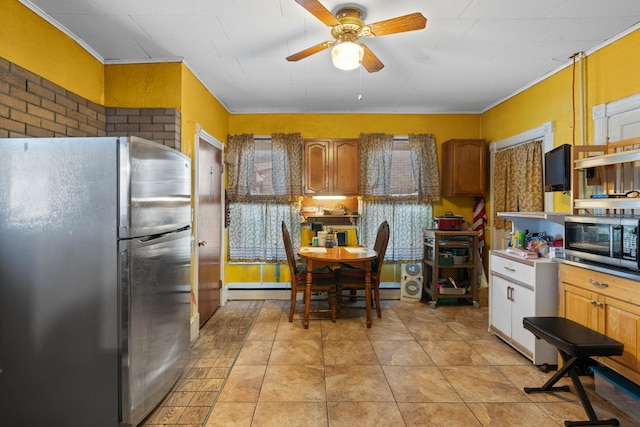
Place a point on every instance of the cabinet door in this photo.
(580, 306)
(622, 323)
(317, 167)
(523, 305)
(464, 167)
(500, 305)
(346, 168)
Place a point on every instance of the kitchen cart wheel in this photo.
(432, 304)
(476, 304)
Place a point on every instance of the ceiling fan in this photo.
(347, 27)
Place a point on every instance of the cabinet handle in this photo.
(592, 302)
(596, 283)
(513, 270)
(510, 293)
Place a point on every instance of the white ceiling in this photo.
(472, 54)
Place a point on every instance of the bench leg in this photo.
(571, 369)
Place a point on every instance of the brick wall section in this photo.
(31, 106)
(156, 124)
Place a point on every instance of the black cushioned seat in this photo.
(571, 337)
(576, 344)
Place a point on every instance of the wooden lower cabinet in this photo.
(608, 304)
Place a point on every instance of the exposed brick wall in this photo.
(31, 106)
(156, 124)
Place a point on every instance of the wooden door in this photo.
(464, 165)
(622, 323)
(580, 306)
(317, 167)
(346, 169)
(209, 228)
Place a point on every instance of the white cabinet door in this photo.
(523, 305)
(500, 305)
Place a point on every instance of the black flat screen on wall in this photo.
(557, 169)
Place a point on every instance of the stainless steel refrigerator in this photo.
(95, 252)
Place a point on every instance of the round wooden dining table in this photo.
(357, 256)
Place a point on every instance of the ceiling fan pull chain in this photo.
(360, 90)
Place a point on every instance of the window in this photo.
(262, 196)
(399, 191)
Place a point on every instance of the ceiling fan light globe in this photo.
(347, 56)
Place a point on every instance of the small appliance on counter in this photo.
(606, 239)
(449, 221)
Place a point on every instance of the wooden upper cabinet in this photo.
(331, 167)
(464, 167)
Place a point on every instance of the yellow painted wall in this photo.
(146, 85)
(610, 73)
(200, 107)
(443, 126)
(34, 44)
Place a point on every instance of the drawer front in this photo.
(602, 283)
(513, 269)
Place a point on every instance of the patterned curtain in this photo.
(375, 163)
(424, 162)
(286, 152)
(241, 149)
(518, 181)
(406, 219)
(407, 214)
(255, 233)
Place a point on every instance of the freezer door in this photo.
(155, 312)
(155, 188)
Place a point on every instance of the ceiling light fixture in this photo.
(347, 55)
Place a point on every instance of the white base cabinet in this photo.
(522, 288)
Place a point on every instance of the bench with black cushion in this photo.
(576, 344)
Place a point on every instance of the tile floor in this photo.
(416, 366)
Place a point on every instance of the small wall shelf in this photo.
(617, 162)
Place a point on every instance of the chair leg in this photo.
(376, 299)
(294, 297)
(333, 304)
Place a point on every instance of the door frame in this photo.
(603, 112)
(202, 135)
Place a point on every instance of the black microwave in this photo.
(607, 239)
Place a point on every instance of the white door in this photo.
(624, 126)
(523, 306)
(500, 306)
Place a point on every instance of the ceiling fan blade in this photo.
(411, 22)
(319, 11)
(370, 62)
(310, 51)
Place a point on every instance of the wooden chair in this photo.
(352, 279)
(323, 279)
